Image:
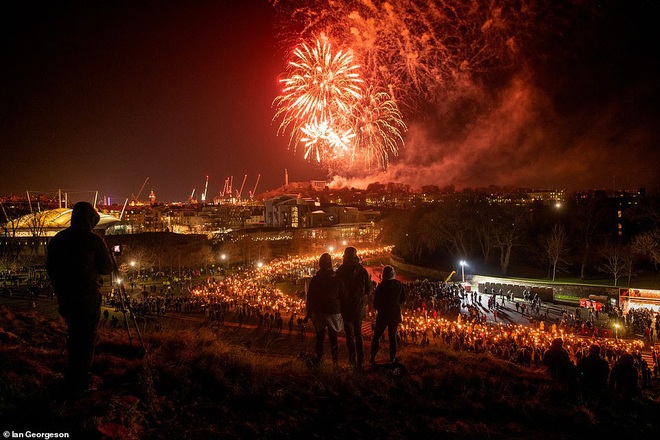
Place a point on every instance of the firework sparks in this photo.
(329, 109)
(412, 48)
(324, 141)
(378, 126)
(405, 50)
(320, 86)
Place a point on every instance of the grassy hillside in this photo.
(198, 385)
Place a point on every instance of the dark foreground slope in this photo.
(197, 386)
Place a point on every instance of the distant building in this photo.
(547, 196)
(290, 211)
(319, 185)
(48, 223)
(33, 231)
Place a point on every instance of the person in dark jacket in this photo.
(624, 379)
(76, 259)
(558, 362)
(357, 284)
(592, 372)
(387, 301)
(324, 307)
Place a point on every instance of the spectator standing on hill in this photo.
(77, 257)
(388, 298)
(624, 379)
(324, 307)
(357, 283)
(592, 372)
(557, 361)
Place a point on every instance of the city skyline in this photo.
(100, 97)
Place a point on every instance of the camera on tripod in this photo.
(124, 300)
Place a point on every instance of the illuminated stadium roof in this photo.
(48, 223)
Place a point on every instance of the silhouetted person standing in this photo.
(324, 308)
(77, 257)
(557, 360)
(353, 306)
(592, 372)
(387, 301)
(624, 379)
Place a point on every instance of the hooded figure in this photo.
(77, 257)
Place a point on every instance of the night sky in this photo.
(100, 96)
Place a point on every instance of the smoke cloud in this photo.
(514, 135)
(535, 93)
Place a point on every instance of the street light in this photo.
(223, 258)
(331, 249)
(463, 264)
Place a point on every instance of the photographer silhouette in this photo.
(77, 257)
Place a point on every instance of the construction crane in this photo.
(191, 199)
(450, 275)
(254, 191)
(29, 201)
(238, 194)
(224, 188)
(136, 199)
(206, 188)
(123, 210)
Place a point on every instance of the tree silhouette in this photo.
(509, 227)
(555, 247)
(614, 261)
(648, 245)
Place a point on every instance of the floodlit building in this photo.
(289, 211)
(32, 231)
(48, 223)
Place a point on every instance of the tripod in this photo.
(125, 305)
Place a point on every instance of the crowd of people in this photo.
(337, 300)
(594, 374)
(434, 313)
(643, 321)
